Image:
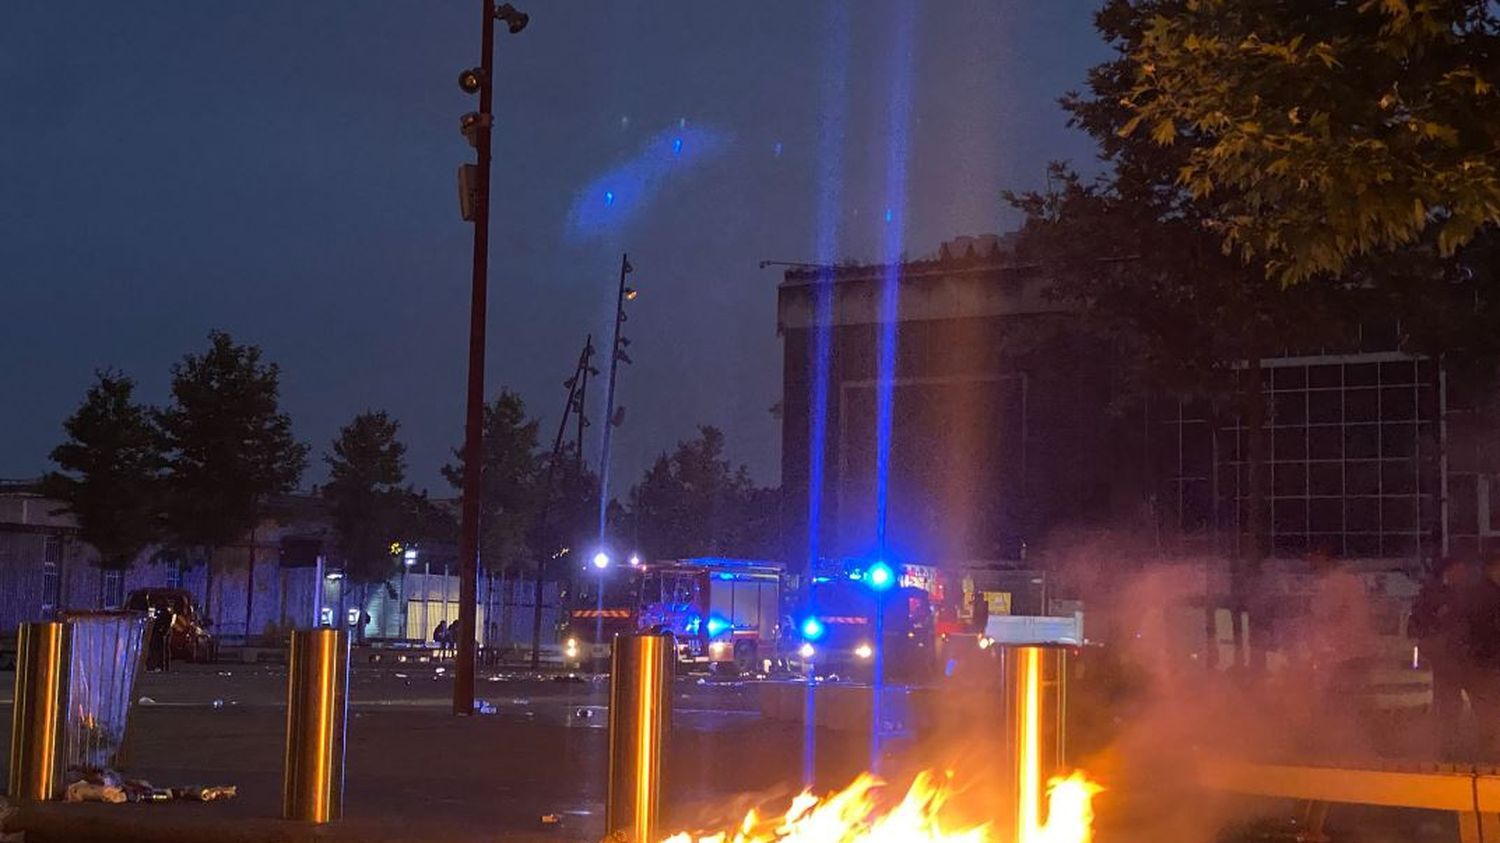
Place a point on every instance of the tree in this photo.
(1141, 252)
(1320, 131)
(229, 445)
(110, 471)
(510, 488)
(367, 465)
(693, 502)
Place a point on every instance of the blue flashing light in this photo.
(880, 576)
(676, 146)
(822, 579)
(692, 624)
(723, 576)
(813, 629)
(856, 575)
(716, 625)
(609, 197)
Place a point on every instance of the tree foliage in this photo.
(693, 502)
(111, 471)
(1315, 132)
(367, 466)
(510, 484)
(228, 443)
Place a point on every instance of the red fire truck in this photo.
(724, 613)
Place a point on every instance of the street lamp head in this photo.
(601, 560)
(631, 293)
(635, 560)
(471, 80)
(513, 17)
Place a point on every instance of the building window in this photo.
(52, 549)
(174, 573)
(1487, 488)
(51, 588)
(1351, 457)
(114, 590)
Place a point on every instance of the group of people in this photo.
(445, 636)
(1455, 621)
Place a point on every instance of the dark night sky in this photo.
(284, 170)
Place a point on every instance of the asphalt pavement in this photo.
(416, 772)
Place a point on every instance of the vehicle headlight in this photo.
(806, 651)
(864, 651)
(571, 646)
(986, 642)
(717, 647)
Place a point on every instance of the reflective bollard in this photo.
(1036, 697)
(316, 718)
(36, 731)
(640, 712)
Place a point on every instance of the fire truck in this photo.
(724, 613)
(850, 620)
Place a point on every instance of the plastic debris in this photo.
(145, 701)
(82, 791)
(440, 670)
(218, 703)
(551, 819)
(484, 707)
(400, 676)
(198, 793)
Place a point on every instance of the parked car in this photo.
(190, 639)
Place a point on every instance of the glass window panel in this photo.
(1361, 441)
(1325, 376)
(1398, 403)
(1361, 515)
(1290, 443)
(1361, 374)
(1362, 478)
(1394, 545)
(1289, 479)
(1325, 515)
(1325, 443)
(1398, 372)
(1289, 408)
(1398, 514)
(1325, 405)
(1325, 478)
(1289, 377)
(1361, 405)
(1398, 440)
(1289, 516)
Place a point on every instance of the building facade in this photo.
(1007, 429)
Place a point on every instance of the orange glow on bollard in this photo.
(640, 699)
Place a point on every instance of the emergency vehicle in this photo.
(723, 613)
(846, 624)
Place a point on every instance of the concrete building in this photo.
(997, 430)
(1007, 430)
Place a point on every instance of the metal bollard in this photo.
(36, 731)
(1035, 679)
(640, 712)
(317, 706)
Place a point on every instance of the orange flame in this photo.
(852, 815)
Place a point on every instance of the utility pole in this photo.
(575, 387)
(474, 199)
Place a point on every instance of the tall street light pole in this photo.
(616, 355)
(474, 199)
